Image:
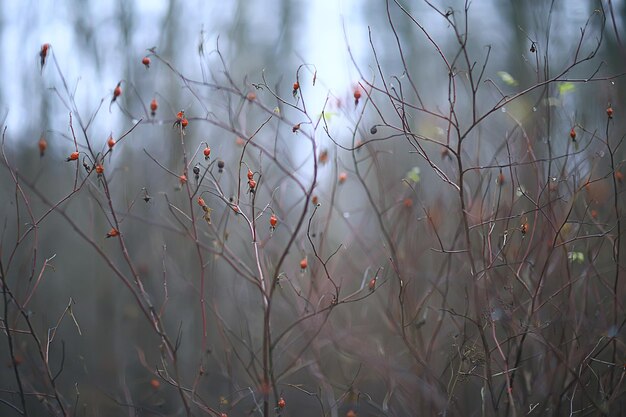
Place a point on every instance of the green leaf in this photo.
(328, 115)
(413, 175)
(566, 87)
(507, 78)
(578, 257)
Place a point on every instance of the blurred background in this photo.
(357, 358)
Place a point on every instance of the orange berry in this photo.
(251, 96)
(182, 179)
(111, 142)
(252, 184)
(296, 86)
(619, 176)
(273, 221)
(572, 134)
(239, 141)
(154, 105)
(155, 383)
(351, 413)
(206, 152)
(99, 169)
(180, 115)
(408, 203)
(343, 177)
(184, 123)
(113, 232)
(146, 62)
(314, 199)
(73, 156)
(118, 91)
(250, 175)
(303, 264)
(594, 214)
(43, 145)
(281, 403)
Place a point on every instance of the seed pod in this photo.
(43, 145)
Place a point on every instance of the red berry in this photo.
(281, 403)
(619, 176)
(609, 111)
(250, 175)
(524, 228)
(146, 62)
(182, 179)
(201, 202)
(572, 134)
(184, 123)
(112, 233)
(273, 221)
(252, 184)
(118, 91)
(357, 96)
(154, 383)
(43, 54)
(343, 177)
(303, 264)
(73, 156)
(99, 169)
(206, 152)
(111, 142)
(372, 284)
(251, 96)
(154, 105)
